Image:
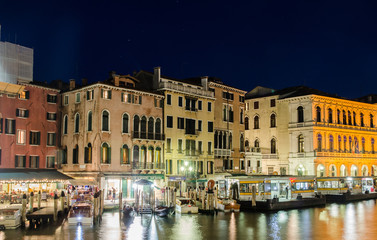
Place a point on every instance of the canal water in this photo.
(335, 221)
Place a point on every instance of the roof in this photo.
(26, 175)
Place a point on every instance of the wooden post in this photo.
(39, 199)
(95, 207)
(23, 210)
(195, 192)
(168, 196)
(55, 207)
(142, 200)
(120, 201)
(253, 196)
(62, 196)
(174, 197)
(203, 199)
(215, 198)
(102, 201)
(68, 200)
(31, 205)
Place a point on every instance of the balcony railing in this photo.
(191, 152)
(197, 91)
(150, 136)
(147, 165)
(332, 125)
(345, 154)
(222, 152)
(270, 156)
(253, 149)
(194, 132)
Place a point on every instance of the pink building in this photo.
(29, 128)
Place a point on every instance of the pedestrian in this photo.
(286, 190)
(114, 193)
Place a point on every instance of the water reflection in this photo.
(347, 221)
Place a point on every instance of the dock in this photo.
(348, 197)
(43, 215)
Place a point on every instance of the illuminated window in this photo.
(105, 94)
(273, 120)
(24, 95)
(273, 146)
(34, 161)
(125, 158)
(88, 154)
(21, 137)
(105, 153)
(319, 143)
(301, 143)
(51, 139)
(256, 122)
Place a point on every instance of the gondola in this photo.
(163, 211)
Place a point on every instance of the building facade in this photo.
(112, 133)
(29, 123)
(315, 133)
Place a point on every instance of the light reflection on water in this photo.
(347, 221)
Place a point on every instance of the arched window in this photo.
(256, 122)
(331, 143)
(343, 171)
(300, 170)
(124, 155)
(150, 154)
(350, 143)
(364, 170)
(372, 145)
(354, 171)
(125, 120)
(344, 118)
(150, 128)
(246, 123)
(143, 155)
(90, 121)
(75, 155)
(273, 146)
(349, 118)
(247, 143)
(345, 143)
(338, 115)
(354, 118)
(256, 143)
(224, 140)
(241, 116)
(64, 155)
(371, 121)
(230, 145)
(330, 116)
(77, 123)
(65, 124)
(320, 170)
(158, 129)
(363, 145)
(105, 153)
(230, 114)
(242, 143)
(136, 126)
(143, 130)
(300, 143)
(356, 141)
(318, 111)
(273, 120)
(361, 119)
(88, 153)
(221, 140)
(105, 121)
(332, 171)
(158, 158)
(135, 158)
(319, 143)
(339, 143)
(216, 139)
(300, 114)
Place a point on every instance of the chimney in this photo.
(116, 81)
(156, 77)
(84, 82)
(60, 84)
(72, 84)
(205, 83)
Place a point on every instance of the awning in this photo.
(32, 175)
(83, 182)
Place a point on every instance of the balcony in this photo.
(222, 152)
(191, 152)
(270, 156)
(197, 91)
(347, 154)
(149, 136)
(332, 125)
(192, 132)
(147, 166)
(253, 149)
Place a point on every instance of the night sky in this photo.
(328, 45)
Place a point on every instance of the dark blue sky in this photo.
(329, 45)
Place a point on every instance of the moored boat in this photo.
(185, 205)
(81, 213)
(163, 211)
(10, 218)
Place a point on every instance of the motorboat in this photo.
(81, 213)
(10, 218)
(163, 211)
(228, 205)
(185, 205)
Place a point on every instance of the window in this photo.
(180, 142)
(169, 166)
(354, 118)
(241, 115)
(256, 143)
(256, 105)
(180, 101)
(200, 147)
(88, 154)
(50, 162)
(77, 123)
(330, 118)
(22, 113)
(246, 123)
(65, 124)
(10, 126)
(90, 121)
(20, 161)
(168, 99)
(89, 95)
(51, 98)
(66, 100)
(190, 147)
(256, 122)
(209, 148)
(200, 125)
(136, 126)
(339, 143)
(272, 103)
(168, 145)
(349, 118)
(77, 97)
(105, 121)
(21, 137)
(241, 98)
(371, 121)
(200, 105)
(331, 145)
(125, 155)
(228, 95)
(190, 126)
(105, 153)
(363, 145)
(1, 124)
(361, 120)
(51, 139)
(338, 115)
(190, 104)
(64, 155)
(150, 128)
(300, 114)
(318, 111)
(35, 138)
(34, 161)
(319, 143)
(273, 146)
(105, 94)
(125, 123)
(242, 143)
(273, 120)
(372, 146)
(24, 95)
(158, 129)
(210, 126)
(143, 127)
(181, 123)
(51, 116)
(344, 118)
(209, 167)
(169, 122)
(301, 143)
(209, 107)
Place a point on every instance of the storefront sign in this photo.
(148, 176)
(180, 178)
